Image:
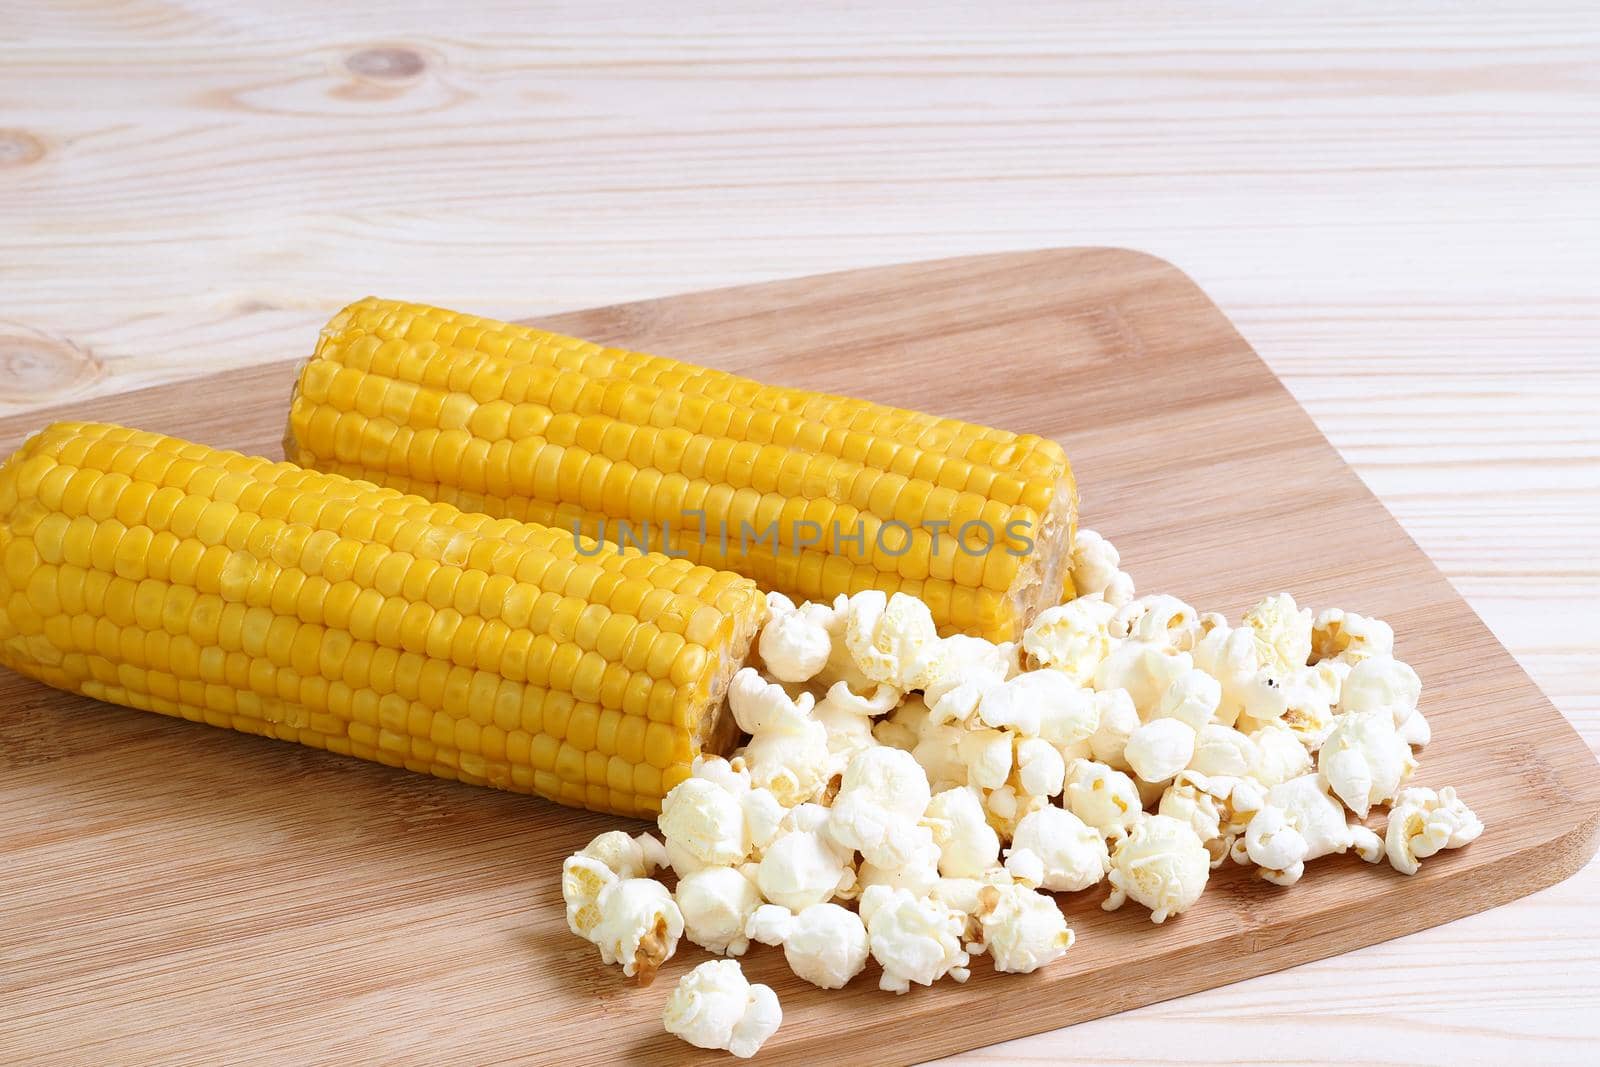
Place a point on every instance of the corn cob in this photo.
(168, 576)
(518, 422)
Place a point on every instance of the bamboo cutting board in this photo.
(172, 892)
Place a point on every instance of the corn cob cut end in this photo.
(1045, 577)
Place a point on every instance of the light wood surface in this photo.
(1395, 202)
(465, 897)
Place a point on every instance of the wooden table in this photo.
(1397, 207)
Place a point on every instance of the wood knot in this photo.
(387, 64)
(18, 148)
(35, 366)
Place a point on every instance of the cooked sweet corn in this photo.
(168, 576)
(809, 494)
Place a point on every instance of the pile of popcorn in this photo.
(914, 799)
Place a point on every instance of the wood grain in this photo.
(191, 863)
(1395, 202)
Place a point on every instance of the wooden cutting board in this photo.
(169, 891)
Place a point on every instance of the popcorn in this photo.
(1423, 823)
(1071, 637)
(583, 879)
(1054, 849)
(639, 926)
(715, 1007)
(1301, 699)
(1192, 699)
(1273, 844)
(1160, 620)
(1044, 704)
(968, 846)
(1346, 636)
(788, 749)
(1280, 755)
(1231, 657)
(1095, 565)
(1223, 750)
(1191, 799)
(1040, 770)
(1119, 590)
(1365, 761)
(1318, 818)
(804, 866)
(1022, 930)
(914, 939)
(1118, 719)
(794, 644)
(1282, 632)
(1105, 799)
(825, 944)
(638, 856)
(883, 794)
(1006, 807)
(959, 659)
(893, 640)
(1159, 749)
(918, 873)
(848, 717)
(1161, 864)
(704, 826)
(1144, 670)
(987, 756)
(841, 665)
(716, 902)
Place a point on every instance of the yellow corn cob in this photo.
(172, 577)
(518, 422)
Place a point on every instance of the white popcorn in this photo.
(881, 797)
(1318, 818)
(1095, 563)
(716, 902)
(1282, 631)
(1273, 844)
(914, 939)
(1040, 770)
(1048, 705)
(704, 826)
(1119, 590)
(962, 660)
(731, 775)
(1365, 761)
(1106, 799)
(803, 866)
(1302, 700)
(968, 846)
(1233, 659)
(917, 872)
(1071, 637)
(583, 879)
(1422, 823)
(848, 718)
(1223, 750)
(987, 756)
(1346, 636)
(1380, 682)
(1022, 930)
(892, 639)
(638, 856)
(715, 1007)
(794, 644)
(1159, 749)
(1161, 864)
(961, 895)
(763, 818)
(1160, 620)
(788, 749)
(1144, 670)
(1054, 849)
(1191, 799)
(1280, 755)
(1118, 719)
(1192, 699)
(825, 944)
(1006, 807)
(933, 744)
(639, 926)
